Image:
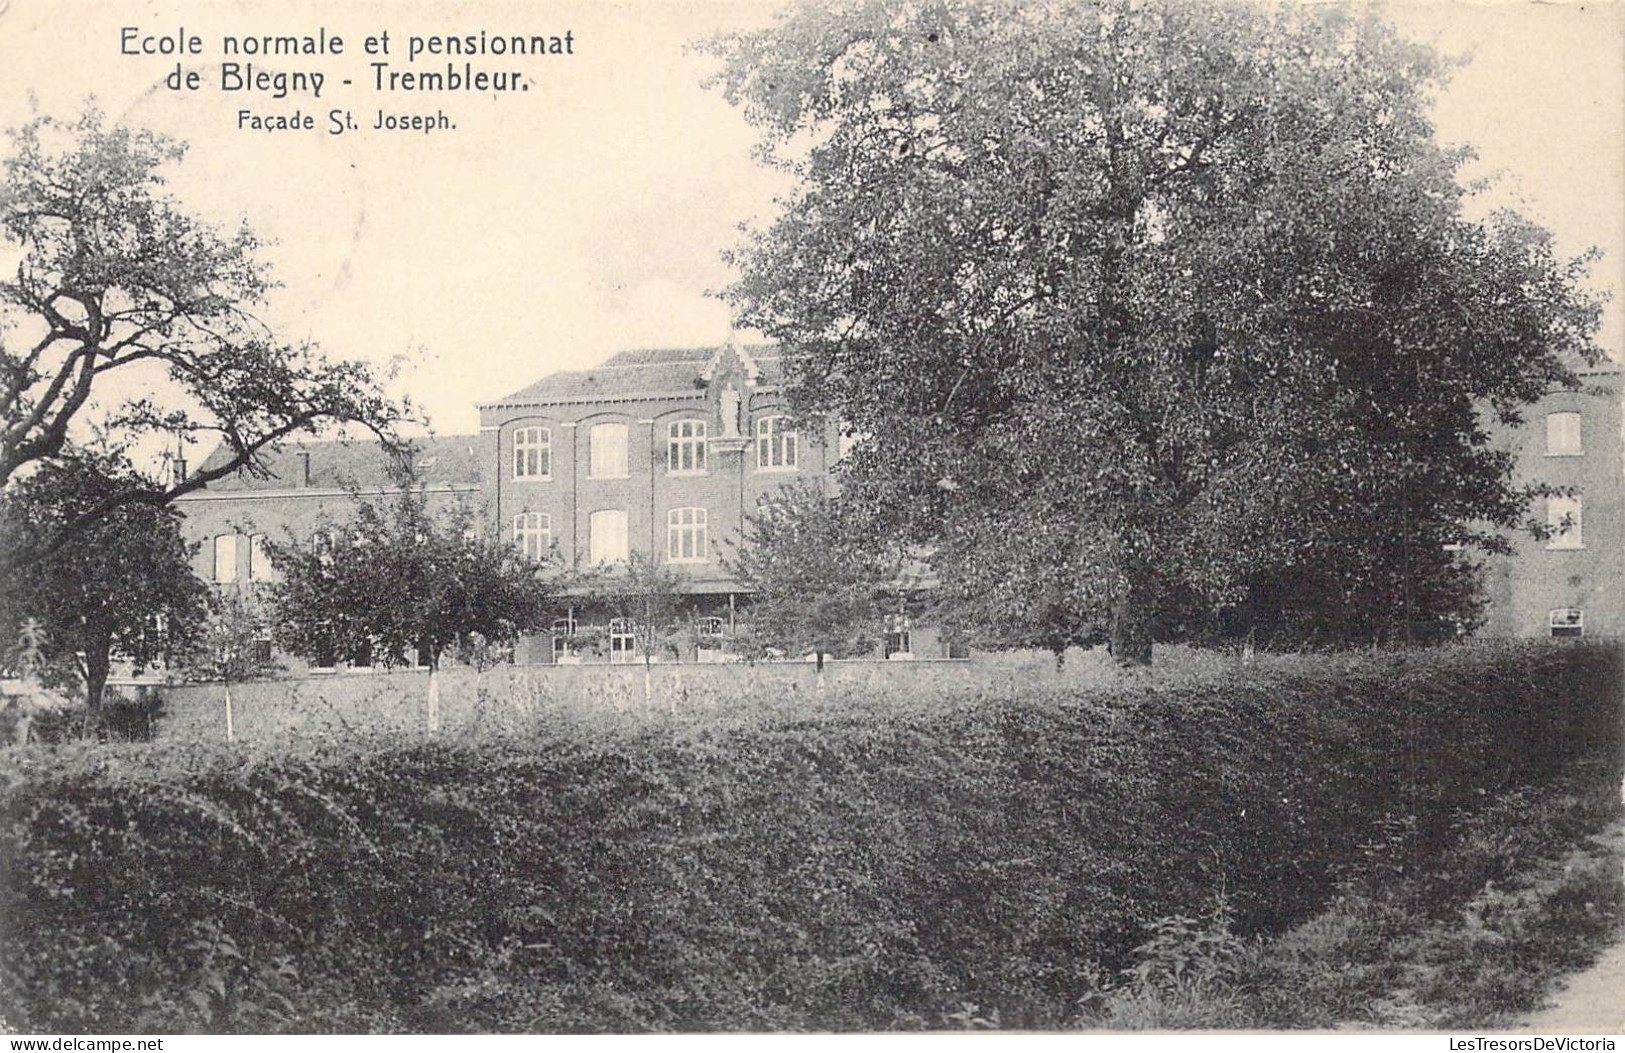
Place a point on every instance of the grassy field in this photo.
(1388, 839)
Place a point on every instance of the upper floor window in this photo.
(1566, 621)
(775, 443)
(225, 557)
(1563, 520)
(533, 533)
(685, 446)
(846, 438)
(607, 536)
(1563, 435)
(321, 543)
(687, 535)
(259, 559)
(532, 453)
(606, 445)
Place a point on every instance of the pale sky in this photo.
(554, 227)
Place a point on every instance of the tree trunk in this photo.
(1131, 610)
(231, 731)
(97, 667)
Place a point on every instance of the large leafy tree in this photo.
(120, 309)
(123, 586)
(1155, 301)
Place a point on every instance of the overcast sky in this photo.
(587, 215)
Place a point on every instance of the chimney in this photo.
(304, 467)
(178, 466)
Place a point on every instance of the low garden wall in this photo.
(514, 697)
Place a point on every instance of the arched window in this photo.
(607, 536)
(1563, 520)
(225, 557)
(532, 453)
(847, 438)
(685, 447)
(687, 535)
(259, 559)
(1563, 435)
(775, 444)
(321, 543)
(606, 446)
(533, 533)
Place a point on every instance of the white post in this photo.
(231, 732)
(434, 700)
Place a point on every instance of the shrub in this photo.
(883, 862)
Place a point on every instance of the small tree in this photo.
(117, 291)
(233, 647)
(643, 591)
(123, 586)
(816, 575)
(646, 593)
(398, 577)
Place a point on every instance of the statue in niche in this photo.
(730, 412)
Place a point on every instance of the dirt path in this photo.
(1592, 1001)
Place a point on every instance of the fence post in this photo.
(231, 732)
(434, 700)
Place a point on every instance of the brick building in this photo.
(659, 452)
(662, 453)
(665, 452)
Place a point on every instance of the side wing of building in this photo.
(1573, 583)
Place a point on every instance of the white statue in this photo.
(730, 412)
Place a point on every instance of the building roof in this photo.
(645, 373)
(341, 464)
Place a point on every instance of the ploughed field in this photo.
(1037, 857)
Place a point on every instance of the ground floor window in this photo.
(710, 638)
(533, 533)
(564, 631)
(897, 641)
(1567, 621)
(623, 640)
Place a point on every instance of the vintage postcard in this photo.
(893, 516)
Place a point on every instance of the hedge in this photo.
(887, 862)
